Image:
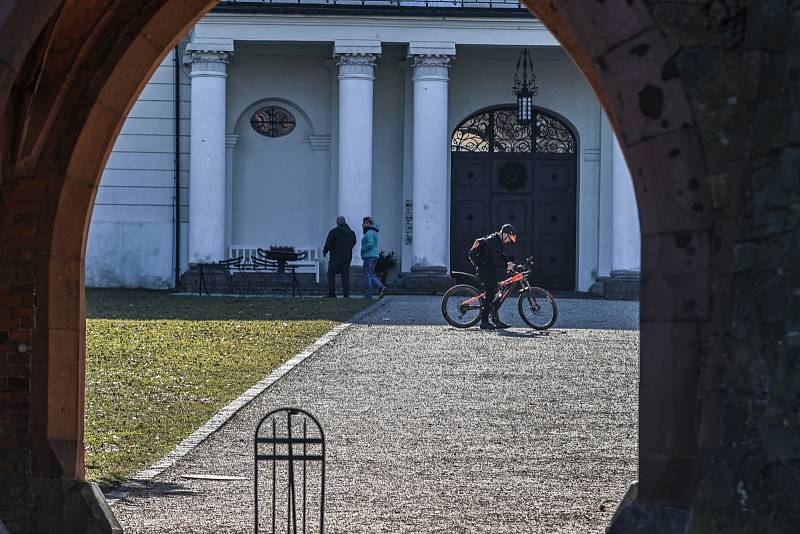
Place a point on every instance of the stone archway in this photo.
(712, 176)
(70, 86)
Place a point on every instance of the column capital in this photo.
(430, 67)
(212, 63)
(231, 140)
(356, 66)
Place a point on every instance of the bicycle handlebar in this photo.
(527, 265)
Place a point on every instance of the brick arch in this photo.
(101, 104)
(76, 79)
(76, 74)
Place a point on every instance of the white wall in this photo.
(280, 186)
(387, 150)
(131, 236)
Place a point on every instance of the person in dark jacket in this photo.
(490, 261)
(340, 243)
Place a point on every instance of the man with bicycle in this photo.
(487, 254)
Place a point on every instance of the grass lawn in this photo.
(158, 365)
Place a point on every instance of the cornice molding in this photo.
(271, 19)
(399, 29)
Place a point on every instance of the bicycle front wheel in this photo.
(461, 306)
(537, 307)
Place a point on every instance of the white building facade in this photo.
(268, 122)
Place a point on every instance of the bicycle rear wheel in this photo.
(457, 310)
(537, 307)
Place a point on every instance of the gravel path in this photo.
(431, 429)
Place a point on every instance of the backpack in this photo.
(476, 252)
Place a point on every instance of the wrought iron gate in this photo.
(290, 443)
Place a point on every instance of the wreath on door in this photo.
(513, 175)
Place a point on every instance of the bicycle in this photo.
(536, 306)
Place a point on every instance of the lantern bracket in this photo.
(525, 88)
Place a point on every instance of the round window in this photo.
(273, 121)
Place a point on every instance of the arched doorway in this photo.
(503, 172)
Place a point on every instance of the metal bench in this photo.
(308, 265)
(247, 269)
(283, 267)
(210, 272)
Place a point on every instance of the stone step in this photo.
(426, 284)
(621, 285)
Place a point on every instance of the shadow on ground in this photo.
(588, 314)
(136, 304)
(163, 489)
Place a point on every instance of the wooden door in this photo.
(470, 207)
(504, 173)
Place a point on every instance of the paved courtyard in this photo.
(431, 429)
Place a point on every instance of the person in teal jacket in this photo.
(369, 253)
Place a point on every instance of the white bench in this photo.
(308, 265)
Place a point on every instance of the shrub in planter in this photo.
(386, 262)
(282, 254)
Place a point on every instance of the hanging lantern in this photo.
(525, 89)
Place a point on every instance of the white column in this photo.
(626, 248)
(207, 158)
(430, 144)
(356, 80)
(230, 144)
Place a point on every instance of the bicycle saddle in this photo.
(464, 278)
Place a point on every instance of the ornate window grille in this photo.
(497, 130)
(273, 121)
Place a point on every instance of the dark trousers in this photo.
(489, 281)
(341, 267)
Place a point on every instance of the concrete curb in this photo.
(141, 478)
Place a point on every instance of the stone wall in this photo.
(20, 202)
(59, 110)
(740, 62)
